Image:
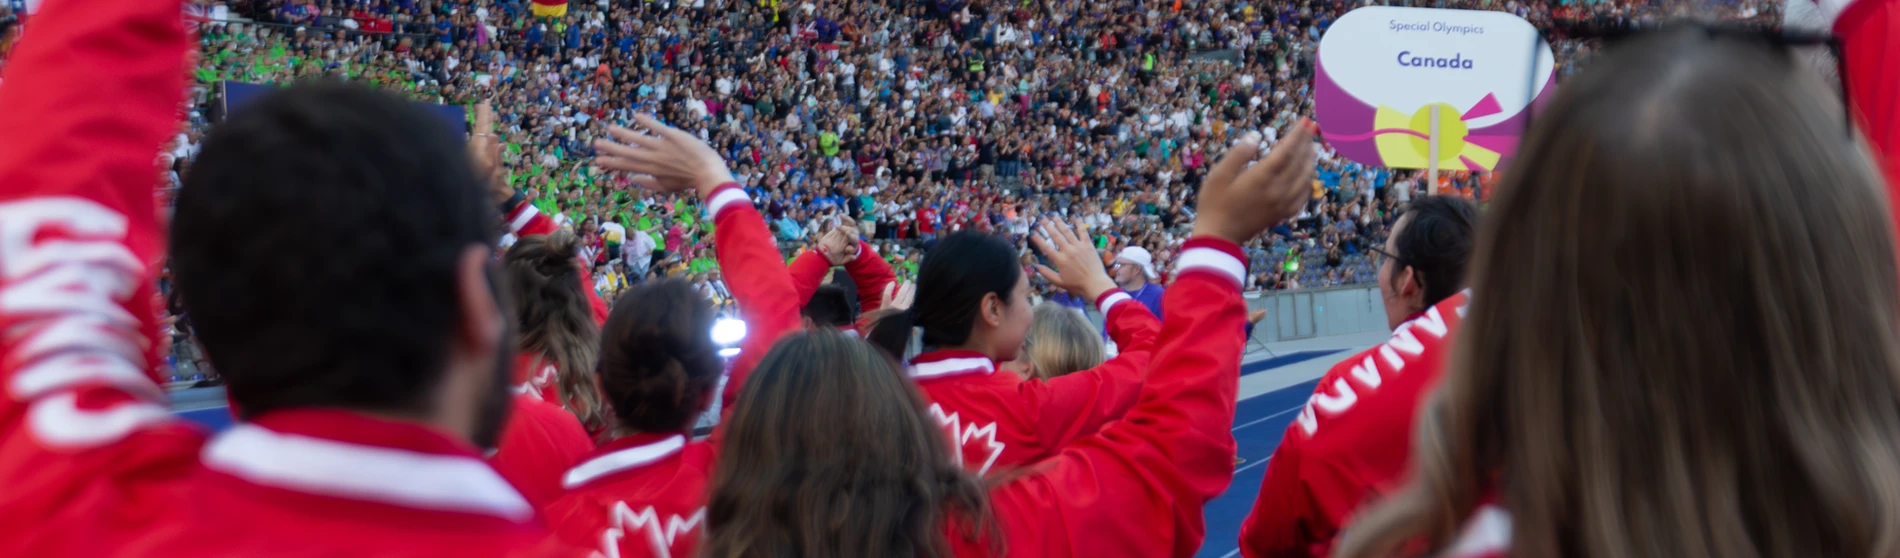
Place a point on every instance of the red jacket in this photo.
(639, 495)
(539, 444)
(645, 494)
(869, 273)
(998, 419)
(1138, 486)
(1352, 442)
(535, 376)
(93, 462)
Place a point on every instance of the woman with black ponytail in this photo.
(972, 308)
(643, 492)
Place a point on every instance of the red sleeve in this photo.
(1131, 330)
(1283, 517)
(1869, 31)
(92, 91)
(1138, 487)
(1870, 35)
(758, 278)
(871, 273)
(808, 272)
(1076, 405)
(527, 220)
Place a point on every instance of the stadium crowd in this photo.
(905, 120)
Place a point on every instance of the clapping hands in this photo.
(839, 246)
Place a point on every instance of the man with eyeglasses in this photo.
(1133, 269)
(1352, 439)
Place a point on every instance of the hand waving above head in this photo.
(662, 158)
(1241, 198)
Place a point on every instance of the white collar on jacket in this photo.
(621, 460)
(942, 364)
(340, 469)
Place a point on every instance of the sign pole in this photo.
(1432, 174)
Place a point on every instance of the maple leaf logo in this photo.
(962, 435)
(659, 534)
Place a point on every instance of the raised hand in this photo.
(1239, 200)
(1078, 267)
(484, 149)
(662, 158)
(898, 296)
(839, 246)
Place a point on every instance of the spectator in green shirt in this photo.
(828, 143)
(701, 262)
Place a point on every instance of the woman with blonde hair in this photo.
(1681, 336)
(1060, 341)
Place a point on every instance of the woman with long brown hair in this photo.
(558, 336)
(843, 457)
(542, 437)
(1681, 340)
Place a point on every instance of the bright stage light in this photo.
(728, 331)
(729, 352)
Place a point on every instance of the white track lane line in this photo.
(1269, 417)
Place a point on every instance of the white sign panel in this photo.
(1382, 70)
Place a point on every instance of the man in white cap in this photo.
(1133, 270)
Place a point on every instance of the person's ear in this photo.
(478, 295)
(992, 309)
(1411, 284)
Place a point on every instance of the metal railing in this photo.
(1298, 314)
(1320, 312)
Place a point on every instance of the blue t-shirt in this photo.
(1149, 295)
(1069, 300)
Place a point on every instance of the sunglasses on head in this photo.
(1772, 35)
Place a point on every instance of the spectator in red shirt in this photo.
(927, 223)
